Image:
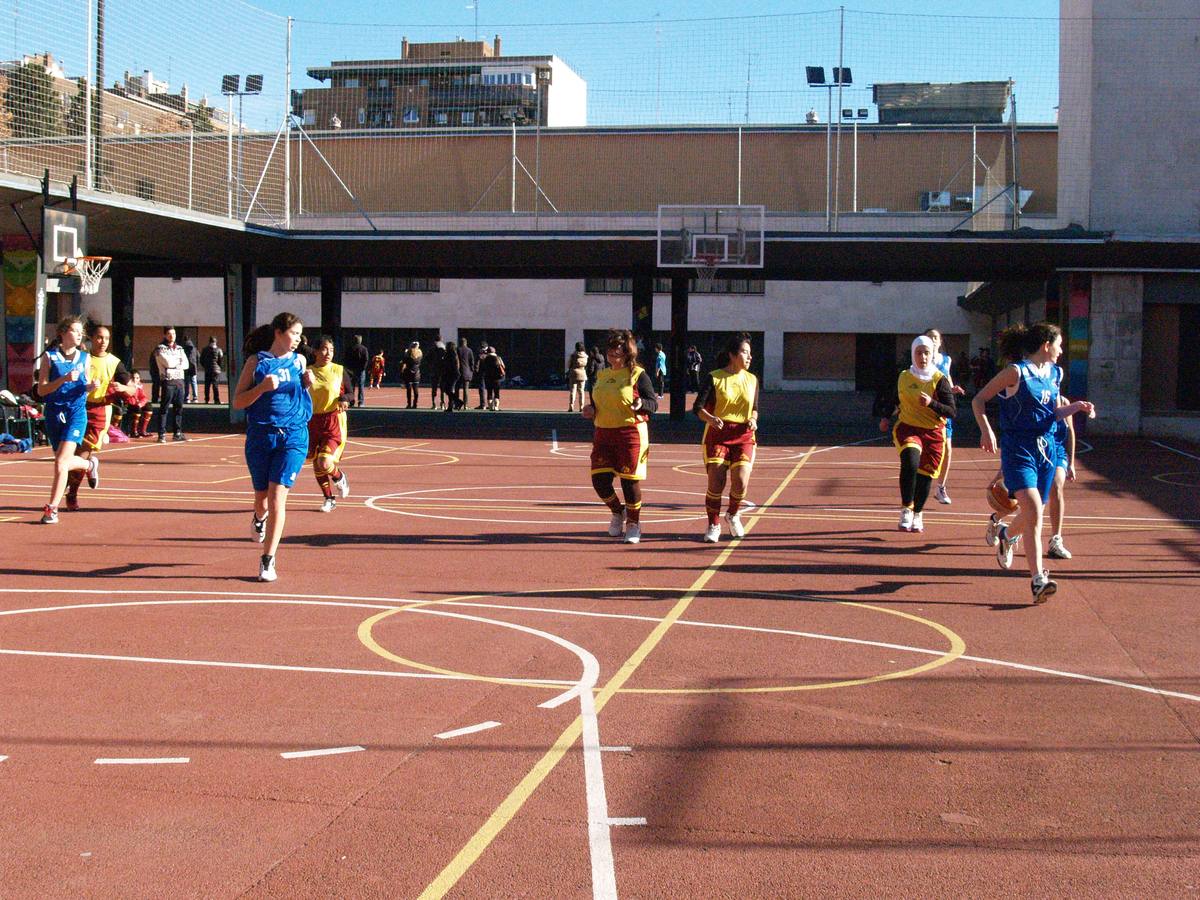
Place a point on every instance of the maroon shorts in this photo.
(731, 445)
(97, 426)
(622, 451)
(327, 434)
(930, 441)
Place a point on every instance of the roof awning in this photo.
(998, 297)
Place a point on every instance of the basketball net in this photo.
(706, 271)
(90, 270)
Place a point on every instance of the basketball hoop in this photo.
(90, 270)
(706, 271)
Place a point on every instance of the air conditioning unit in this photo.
(935, 200)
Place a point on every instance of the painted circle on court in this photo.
(956, 649)
(1179, 479)
(481, 503)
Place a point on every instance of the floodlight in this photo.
(815, 75)
(254, 84)
(847, 114)
(230, 83)
(841, 75)
(862, 112)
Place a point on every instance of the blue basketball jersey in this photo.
(1031, 410)
(289, 405)
(1060, 427)
(70, 393)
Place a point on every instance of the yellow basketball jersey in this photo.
(912, 412)
(326, 387)
(102, 370)
(613, 396)
(733, 395)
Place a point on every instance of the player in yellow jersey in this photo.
(108, 376)
(622, 400)
(923, 401)
(327, 427)
(727, 404)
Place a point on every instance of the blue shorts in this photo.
(275, 456)
(1028, 461)
(65, 423)
(1061, 459)
(949, 429)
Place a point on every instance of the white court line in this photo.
(975, 515)
(553, 440)
(3, 758)
(616, 749)
(143, 761)
(470, 729)
(1176, 450)
(630, 820)
(331, 751)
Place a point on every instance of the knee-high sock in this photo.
(910, 460)
(633, 500)
(712, 506)
(735, 502)
(602, 483)
(921, 491)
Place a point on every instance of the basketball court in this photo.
(460, 684)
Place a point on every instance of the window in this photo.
(473, 78)
(424, 82)
(384, 284)
(310, 117)
(468, 117)
(663, 286)
(441, 118)
(362, 116)
(412, 115)
(383, 82)
(350, 83)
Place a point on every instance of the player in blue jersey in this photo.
(1064, 471)
(1030, 409)
(942, 361)
(63, 385)
(273, 389)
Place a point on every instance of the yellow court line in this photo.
(511, 805)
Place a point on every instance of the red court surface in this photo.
(461, 686)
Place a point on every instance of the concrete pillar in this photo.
(241, 311)
(331, 308)
(677, 357)
(643, 309)
(1115, 353)
(122, 317)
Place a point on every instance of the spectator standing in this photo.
(172, 364)
(577, 364)
(466, 371)
(449, 376)
(378, 368)
(211, 359)
(596, 362)
(357, 358)
(484, 349)
(191, 392)
(694, 363)
(410, 374)
(434, 364)
(660, 369)
(154, 383)
(491, 368)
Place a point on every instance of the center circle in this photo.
(957, 646)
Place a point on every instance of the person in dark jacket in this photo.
(357, 358)
(450, 377)
(466, 371)
(434, 361)
(410, 374)
(211, 359)
(191, 391)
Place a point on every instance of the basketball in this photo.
(998, 499)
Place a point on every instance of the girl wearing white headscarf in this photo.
(923, 401)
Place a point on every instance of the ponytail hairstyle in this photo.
(627, 343)
(64, 324)
(1021, 340)
(733, 346)
(262, 337)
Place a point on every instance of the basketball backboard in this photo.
(64, 237)
(724, 236)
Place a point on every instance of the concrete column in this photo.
(331, 308)
(677, 357)
(241, 310)
(1115, 354)
(122, 317)
(643, 309)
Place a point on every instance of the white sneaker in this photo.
(266, 569)
(329, 505)
(736, 528)
(993, 531)
(343, 486)
(1043, 587)
(633, 533)
(259, 527)
(712, 534)
(1056, 549)
(942, 496)
(1005, 547)
(906, 520)
(616, 525)
(93, 472)
(918, 522)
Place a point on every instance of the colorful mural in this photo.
(1079, 309)
(20, 302)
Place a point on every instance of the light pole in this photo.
(816, 78)
(230, 85)
(855, 116)
(191, 127)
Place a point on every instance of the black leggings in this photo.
(914, 487)
(603, 483)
